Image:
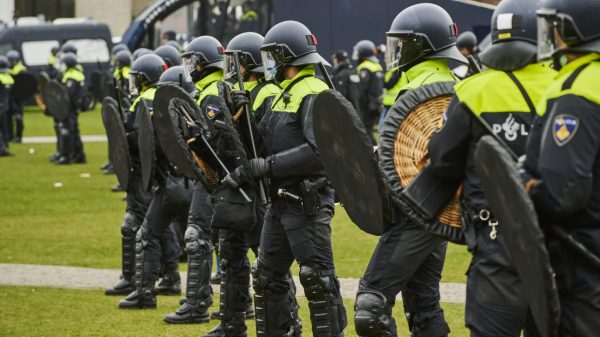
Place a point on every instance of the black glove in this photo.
(195, 130)
(234, 178)
(258, 168)
(240, 99)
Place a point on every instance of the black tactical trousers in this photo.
(15, 118)
(408, 259)
(288, 234)
(169, 206)
(3, 131)
(70, 137)
(578, 285)
(370, 119)
(137, 198)
(496, 304)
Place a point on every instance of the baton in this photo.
(214, 154)
(261, 184)
(326, 76)
(473, 63)
(577, 247)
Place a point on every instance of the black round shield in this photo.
(146, 145)
(117, 141)
(24, 87)
(171, 127)
(350, 162)
(517, 219)
(57, 100)
(424, 197)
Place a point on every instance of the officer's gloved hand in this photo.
(258, 168)
(240, 99)
(195, 130)
(234, 178)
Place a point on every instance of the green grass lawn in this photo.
(37, 124)
(78, 224)
(33, 312)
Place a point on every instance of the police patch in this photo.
(564, 128)
(211, 111)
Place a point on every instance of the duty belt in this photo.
(306, 194)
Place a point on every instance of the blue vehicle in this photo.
(338, 24)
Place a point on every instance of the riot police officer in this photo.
(52, 68)
(505, 98)
(74, 80)
(170, 200)
(294, 230)
(371, 84)
(6, 81)
(203, 63)
(122, 64)
(16, 106)
(563, 157)
(421, 41)
(345, 79)
(234, 244)
(467, 44)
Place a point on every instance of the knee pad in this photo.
(316, 286)
(130, 225)
(196, 242)
(373, 315)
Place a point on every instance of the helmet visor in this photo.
(272, 59)
(555, 32)
(229, 70)
(190, 61)
(135, 83)
(401, 50)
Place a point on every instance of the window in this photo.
(36, 53)
(91, 50)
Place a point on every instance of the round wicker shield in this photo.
(403, 156)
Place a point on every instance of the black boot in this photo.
(189, 314)
(123, 287)
(139, 299)
(170, 285)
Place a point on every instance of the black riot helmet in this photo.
(288, 43)
(514, 42)
(467, 40)
(363, 50)
(247, 47)
(341, 56)
(123, 58)
(69, 60)
(574, 21)
(422, 31)
(177, 75)
(140, 52)
(13, 56)
(146, 71)
(202, 56)
(54, 50)
(119, 47)
(68, 48)
(4, 64)
(169, 54)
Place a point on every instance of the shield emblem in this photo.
(118, 148)
(427, 199)
(513, 208)
(341, 135)
(24, 87)
(57, 100)
(146, 145)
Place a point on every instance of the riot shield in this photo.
(57, 100)
(350, 162)
(42, 80)
(517, 219)
(146, 145)
(172, 129)
(117, 141)
(24, 87)
(427, 199)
